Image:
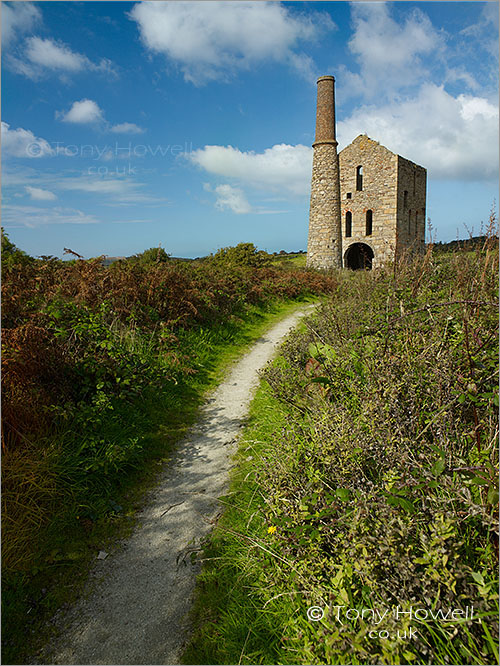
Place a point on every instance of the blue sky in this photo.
(189, 124)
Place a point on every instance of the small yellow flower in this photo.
(271, 530)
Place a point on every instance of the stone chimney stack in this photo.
(324, 246)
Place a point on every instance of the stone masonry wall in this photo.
(323, 250)
(378, 194)
(412, 185)
(324, 247)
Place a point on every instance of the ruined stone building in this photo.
(367, 203)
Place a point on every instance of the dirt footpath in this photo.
(135, 608)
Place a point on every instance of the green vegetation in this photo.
(154, 255)
(292, 260)
(367, 480)
(103, 371)
(244, 254)
(473, 243)
(12, 255)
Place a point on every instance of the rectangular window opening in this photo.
(369, 222)
(348, 224)
(359, 178)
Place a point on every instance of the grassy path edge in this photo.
(136, 610)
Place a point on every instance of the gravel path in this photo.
(135, 609)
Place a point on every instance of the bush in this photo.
(12, 255)
(244, 254)
(154, 255)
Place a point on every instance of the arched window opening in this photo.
(416, 223)
(348, 224)
(359, 178)
(369, 222)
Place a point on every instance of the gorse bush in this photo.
(154, 255)
(377, 489)
(244, 254)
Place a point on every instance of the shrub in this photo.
(244, 254)
(12, 255)
(154, 255)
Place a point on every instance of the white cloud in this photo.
(98, 185)
(477, 107)
(39, 194)
(46, 53)
(31, 216)
(454, 74)
(235, 199)
(23, 143)
(123, 190)
(453, 137)
(230, 197)
(481, 37)
(109, 190)
(107, 156)
(282, 168)
(389, 54)
(83, 112)
(127, 128)
(17, 18)
(488, 20)
(211, 40)
(42, 56)
(86, 111)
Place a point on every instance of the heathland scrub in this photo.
(361, 524)
(138, 598)
(103, 370)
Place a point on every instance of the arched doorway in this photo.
(358, 256)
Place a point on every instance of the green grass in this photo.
(89, 503)
(290, 260)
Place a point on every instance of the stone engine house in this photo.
(383, 204)
(367, 203)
